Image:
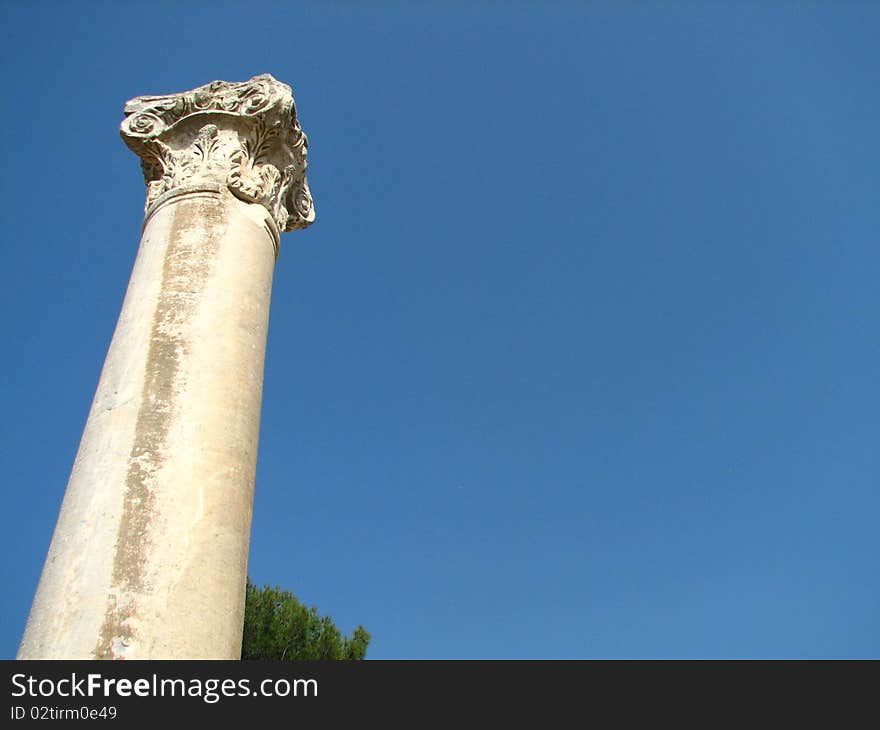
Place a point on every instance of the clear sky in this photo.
(580, 358)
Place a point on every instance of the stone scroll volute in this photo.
(242, 135)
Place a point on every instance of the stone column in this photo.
(149, 555)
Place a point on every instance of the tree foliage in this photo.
(277, 626)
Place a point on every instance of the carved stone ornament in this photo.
(242, 135)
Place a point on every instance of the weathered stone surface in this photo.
(149, 555)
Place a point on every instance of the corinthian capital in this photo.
(242, 135)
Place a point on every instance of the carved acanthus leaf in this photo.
(243, 135)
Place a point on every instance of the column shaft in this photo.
(149, 555)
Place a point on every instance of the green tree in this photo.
(278, 626)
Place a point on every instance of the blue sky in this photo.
(580, 357)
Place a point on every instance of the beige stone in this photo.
(149, 556)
